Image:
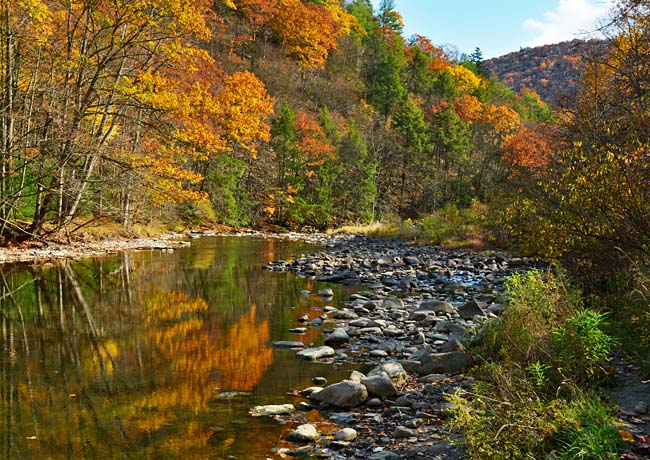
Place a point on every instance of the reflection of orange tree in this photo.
(244, 355)
(195, 356)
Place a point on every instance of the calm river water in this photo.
(133, 356)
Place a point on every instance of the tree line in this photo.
(306, 113)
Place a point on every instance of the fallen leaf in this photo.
(626, 435)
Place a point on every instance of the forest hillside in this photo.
(553, 71)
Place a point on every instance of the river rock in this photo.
(380, 384)
(470, 309)
(343, 394)
(303, 434)
(346, 434)
(394, 370)
(338, 337)
(319, 381)
(345, 314)
(328, 292)
(383, 455)
(437, 306)
(444, 363)
(392, 331)
(272, 409)
(288, 344)
(312, 354)
(411, 260)
(401, 432)
(392, 303)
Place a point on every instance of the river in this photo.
(153, 354)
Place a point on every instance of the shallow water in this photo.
(153, 355)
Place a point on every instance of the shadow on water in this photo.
(152, 355)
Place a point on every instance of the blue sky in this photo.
(500, 26)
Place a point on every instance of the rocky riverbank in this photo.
(43, 252)
(415, 306)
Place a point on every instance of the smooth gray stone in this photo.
(338, 337)
(470, 309)
(346, 434)
(394, 370)
(272, 409)
(445, 363)
(343, 394)
(303, 434)
(380, 384)
(288, 344)
(312, 354)
(401, 432)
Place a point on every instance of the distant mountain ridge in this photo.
(553, 71)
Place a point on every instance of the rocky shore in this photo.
(415, 307)
(43, 252)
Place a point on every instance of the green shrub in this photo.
(532, 399)
(582, 345)
(592, 435)
(537, 303)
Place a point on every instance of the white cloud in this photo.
(570, 19)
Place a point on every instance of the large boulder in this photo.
(342, 394)
(444, 363)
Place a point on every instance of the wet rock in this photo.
(312, 354)
(378, 353)
(304, 407)
(272, 409)
(288, 344)
(310, 390)
(320, 381)
(444, 363)
(356, 376)
(374, 402)
(338, 337)
(328, 292)
(303, 434)
(298, 330)
(343, 394)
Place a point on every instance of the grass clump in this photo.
(542, 364)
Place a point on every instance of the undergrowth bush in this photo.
(541, 361)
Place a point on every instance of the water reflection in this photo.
(122, 357)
